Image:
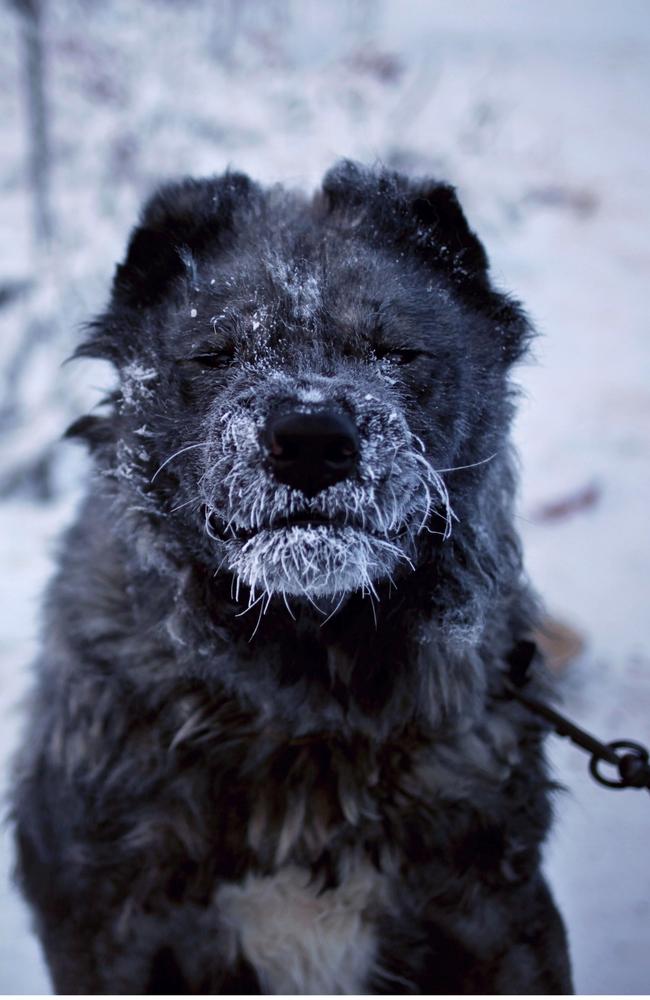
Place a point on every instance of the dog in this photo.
(268, 748)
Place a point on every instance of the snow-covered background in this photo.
(539, 113)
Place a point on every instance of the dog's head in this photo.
(300, 380)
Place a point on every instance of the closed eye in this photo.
(399, 355)
(210, 359)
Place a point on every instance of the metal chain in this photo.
(633, 766)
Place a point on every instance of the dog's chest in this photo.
(299, 938)
(353, 811)
(319, 808)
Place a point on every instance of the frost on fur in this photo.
(312, 561)
(372, 520)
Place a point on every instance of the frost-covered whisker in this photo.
(433, 478)
(334, 610)
(252, 601)
(288, 606)
(181, 451)
(186, 503)
(472, 465)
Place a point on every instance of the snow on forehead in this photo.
(300, 281)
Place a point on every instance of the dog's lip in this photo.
(299, 519)
(308, 519)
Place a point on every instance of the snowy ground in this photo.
(539, 112)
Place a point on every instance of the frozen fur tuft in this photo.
(312, 562)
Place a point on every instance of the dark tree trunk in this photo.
(31, 16)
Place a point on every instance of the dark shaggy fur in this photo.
(268, 750)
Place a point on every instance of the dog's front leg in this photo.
(98, 939)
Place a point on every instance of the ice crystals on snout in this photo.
(347, 537)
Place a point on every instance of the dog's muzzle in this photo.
(309, 500)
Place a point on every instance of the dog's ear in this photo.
(445, 239)
(424, 214)
(425, 217)
(443, 231)
(348, 185)
(179, 222)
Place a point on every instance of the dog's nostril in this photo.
(311, 451)
(340, 452)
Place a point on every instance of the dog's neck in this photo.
(365, 668)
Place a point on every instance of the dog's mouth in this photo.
(308, 553)
(305, 519)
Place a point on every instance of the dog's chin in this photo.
(312, 561)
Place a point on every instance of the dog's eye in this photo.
(399, 355)
(211, 359)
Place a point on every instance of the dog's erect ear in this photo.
(424, 214)
(177, 223)
(442, 231)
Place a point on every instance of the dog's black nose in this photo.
(311, 451)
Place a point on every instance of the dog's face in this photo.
(298, 378)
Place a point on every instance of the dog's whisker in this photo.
(287, 605)
(181, 451)
(185, 503)
(259, 619)
(332, 613)
(373, 609)
(472, 465)
(250, 606)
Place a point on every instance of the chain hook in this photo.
(633, 767)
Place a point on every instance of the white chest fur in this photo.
(300, 940)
